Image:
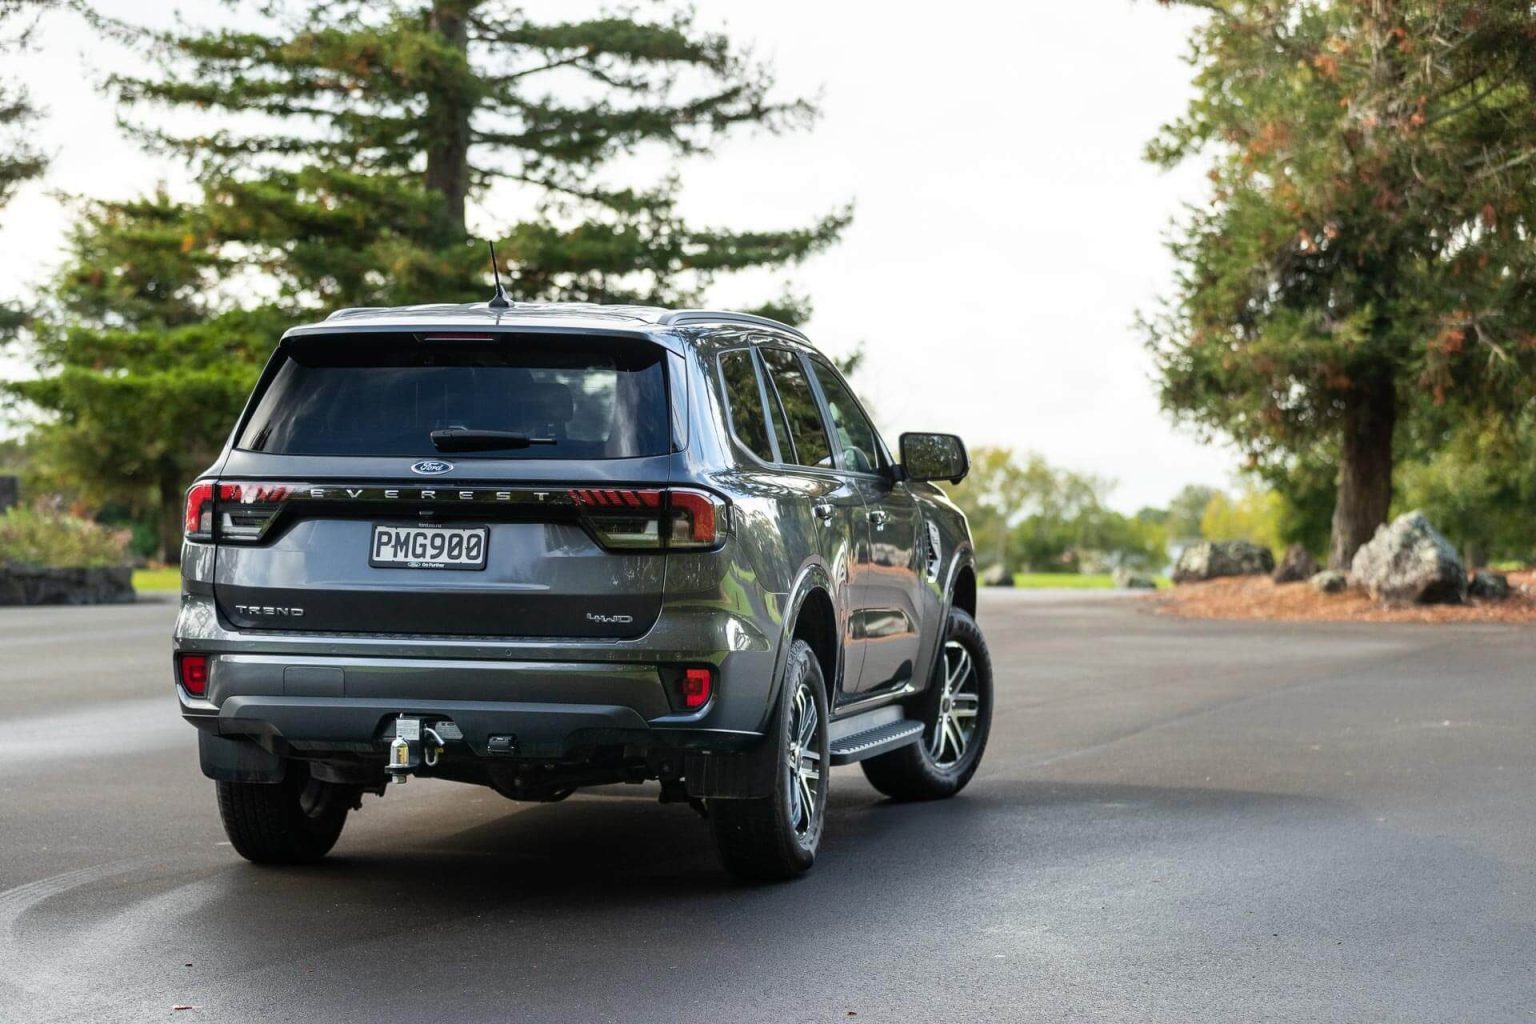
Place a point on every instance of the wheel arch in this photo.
(963, 590)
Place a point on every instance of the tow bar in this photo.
(416, 744)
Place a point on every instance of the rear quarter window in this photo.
(383, 395)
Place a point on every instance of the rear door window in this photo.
(575, 397)
(744, 398)
(793, 390)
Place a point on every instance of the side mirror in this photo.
(934, 457)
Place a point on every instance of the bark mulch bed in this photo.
(1258, 597)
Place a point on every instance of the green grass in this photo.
(1070, 580)
(152, 580)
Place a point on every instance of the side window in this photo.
(799, 401)
(855, 434)
(744, 401)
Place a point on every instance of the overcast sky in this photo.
(1006, 230)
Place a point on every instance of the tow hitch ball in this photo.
(414, 745)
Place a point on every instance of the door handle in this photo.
(822, 510)
(878, 518)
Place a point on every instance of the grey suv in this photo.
(542, 547)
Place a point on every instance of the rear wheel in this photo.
(775, 838)
(956, 711)
(295, 821)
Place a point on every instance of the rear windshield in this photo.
(579, 397)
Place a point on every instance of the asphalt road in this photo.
(1175, 822)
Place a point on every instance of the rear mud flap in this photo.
(237, 760)
(721, 776)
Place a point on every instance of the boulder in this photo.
(1329, 581)
(1209, 559)
(26, 584)
(996, 576)
(1297, 566)
(1125, 579)
(1491, 585)
(1409, 560)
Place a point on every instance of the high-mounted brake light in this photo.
(197, 517)
(192, 673)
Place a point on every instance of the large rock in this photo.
(1297, 566)
(25, 584)
(1209, 559)
(996, 576)
(1491, 585)
(1329, 581)
(1409, 560)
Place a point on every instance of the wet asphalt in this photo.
(1174, 822)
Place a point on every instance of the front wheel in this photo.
(774, 838)
(956, 711)
(295, 821)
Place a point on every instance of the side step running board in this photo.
(879, 740)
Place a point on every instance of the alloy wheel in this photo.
(959, 702)
(803, 762)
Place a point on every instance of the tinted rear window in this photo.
(595, 398)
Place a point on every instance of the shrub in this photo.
(42, 536)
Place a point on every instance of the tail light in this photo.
(676, 518)
(246, 510)
(192, 673)
(243, 511)
(198, 515)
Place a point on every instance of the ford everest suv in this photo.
(542, 547)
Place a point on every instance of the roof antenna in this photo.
(499, 300)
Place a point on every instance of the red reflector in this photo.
(698, 685)
(192, 669)
(198, 515)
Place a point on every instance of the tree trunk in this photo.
(1365, 467)
(171, 498)
(450, 106)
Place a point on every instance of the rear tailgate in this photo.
(337, 512)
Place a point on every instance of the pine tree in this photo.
(353, 137)
(1366, 253)
(20, 159)
(143, 363)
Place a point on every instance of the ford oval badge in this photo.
(431, 467)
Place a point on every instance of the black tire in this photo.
(295, 821)
(774, 839)
(929, 769)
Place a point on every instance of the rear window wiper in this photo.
(463, 439)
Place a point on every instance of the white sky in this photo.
(1005, 233)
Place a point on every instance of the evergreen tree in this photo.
(1366, 253)
(20, 159)
(352, 136)
(144, 362)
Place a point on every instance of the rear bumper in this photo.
(341, 691)
(364, 726)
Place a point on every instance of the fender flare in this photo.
(814, 575)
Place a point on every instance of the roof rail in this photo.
(681, 317)
(338, 314)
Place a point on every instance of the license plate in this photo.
(428, 547)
